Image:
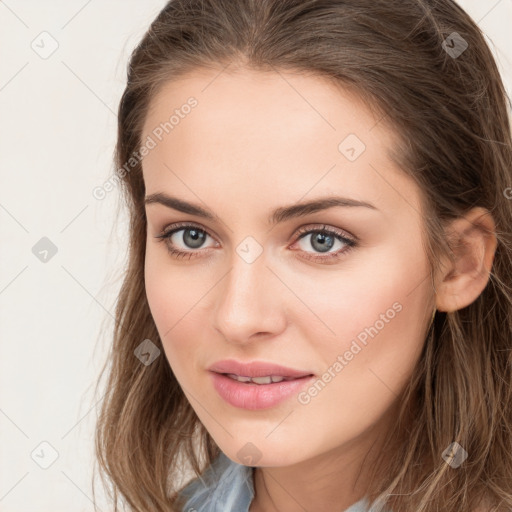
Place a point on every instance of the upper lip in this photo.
(255, 369)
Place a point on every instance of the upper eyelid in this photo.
(326, 227)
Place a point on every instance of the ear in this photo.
(473, 243)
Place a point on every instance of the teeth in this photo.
(257, 380)
(262, 380)
(239, 377)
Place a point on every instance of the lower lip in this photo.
(256, 396)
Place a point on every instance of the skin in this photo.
(255, 142)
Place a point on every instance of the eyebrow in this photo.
(278, 215)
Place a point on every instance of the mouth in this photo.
(254, 370)
(268, 379)
(255, 393)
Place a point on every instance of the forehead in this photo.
(250, 130)
(270, 99)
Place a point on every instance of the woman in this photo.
(316, 313)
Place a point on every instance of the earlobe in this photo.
(473, 242)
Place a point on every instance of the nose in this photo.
(249, 304)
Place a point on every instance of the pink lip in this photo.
(255, 369)
(256, 396)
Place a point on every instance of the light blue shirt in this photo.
(226, 486)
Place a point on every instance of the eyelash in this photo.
(302, 232)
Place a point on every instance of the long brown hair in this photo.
(442, 94)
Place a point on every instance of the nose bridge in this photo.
(248, 300)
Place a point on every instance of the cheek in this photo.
(172, 295)
(377, 297)
(378, 322)
(171, 288)
(180, 300)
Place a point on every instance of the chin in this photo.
(257, 455)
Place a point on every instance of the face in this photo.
(339, 292)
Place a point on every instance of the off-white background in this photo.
(57, 134)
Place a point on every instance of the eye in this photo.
(192, 237)
(322, 239)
